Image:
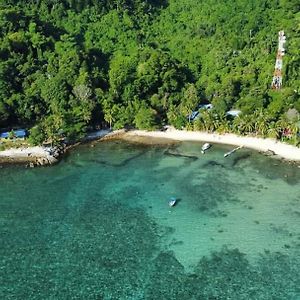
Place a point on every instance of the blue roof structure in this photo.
(4, 135)
(19, 133)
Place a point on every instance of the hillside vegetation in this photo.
(67, 66)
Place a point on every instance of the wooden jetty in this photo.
(232, 151)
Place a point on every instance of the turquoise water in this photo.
(98, 225)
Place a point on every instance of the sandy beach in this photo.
(279, 149)
(44, 155)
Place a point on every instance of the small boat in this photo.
(172, 201)
(205, 147)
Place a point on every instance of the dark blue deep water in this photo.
(98, 225)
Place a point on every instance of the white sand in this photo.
(283, 150)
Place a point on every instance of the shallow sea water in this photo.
(98, 225)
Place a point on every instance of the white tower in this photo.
(277, 77)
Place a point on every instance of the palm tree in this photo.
(249, 124)
(110, 114)
(108, 117)
(199, 124)
(208, 120)
(273, 130)
(223, 126)
(260, 122)
(243, 124)
(236, 124)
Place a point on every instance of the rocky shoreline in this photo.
(32, 156)
(44, 156)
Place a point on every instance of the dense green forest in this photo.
(68, 66)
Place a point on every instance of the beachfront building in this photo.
(196, 114)
(19, 134)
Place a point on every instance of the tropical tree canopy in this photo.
(66, 66)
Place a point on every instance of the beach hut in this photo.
(4, 135)
(19, 133)
(196, 114)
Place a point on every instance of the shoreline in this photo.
(43, 155)
(276, 148)
(40, 156)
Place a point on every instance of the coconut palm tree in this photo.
(243, 124)
(223, 126)
(208, 120)
(198, 124)
(261, 121)
(249, 124)
(274, 130)
(237, 124)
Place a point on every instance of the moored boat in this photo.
(172, 201)
(205, 147)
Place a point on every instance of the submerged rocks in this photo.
(269, 153)
(42, 161)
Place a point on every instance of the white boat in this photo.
(172, 201)
(205, 147)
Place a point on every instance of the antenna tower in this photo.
(277, 77)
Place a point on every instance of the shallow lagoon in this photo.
(98, 225)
